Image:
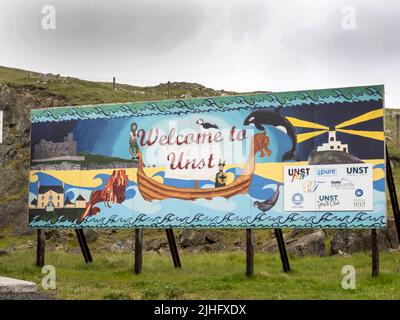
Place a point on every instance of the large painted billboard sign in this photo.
(305, 159)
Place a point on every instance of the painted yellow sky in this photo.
(272, 170)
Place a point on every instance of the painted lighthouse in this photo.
(333, 144)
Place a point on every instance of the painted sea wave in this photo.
(202, 213)
(200, 105)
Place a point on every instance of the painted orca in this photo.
(206, 125)
(269, 203)
(261, 118)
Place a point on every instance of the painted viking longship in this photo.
(151, 189)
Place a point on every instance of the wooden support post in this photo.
(282, 250)
(78, 235)
(83, 245)
(392, 192)
(138, 250)
(249, 253)
(89, 255)
(375, 253)
(113, 83)
(397, 130)
(173, 248)
(169, 83)
(40, 248)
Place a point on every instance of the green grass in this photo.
(208, 276)
(78, 92)
(393, 150)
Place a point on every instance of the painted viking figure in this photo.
(133, 145)
(220, 177)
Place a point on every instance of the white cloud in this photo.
(235, 45)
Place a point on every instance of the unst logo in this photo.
(324, 201)
(328, 197)
(326, 172)
(357, 170)
(297, 199)
(359, 193)
(298, 173)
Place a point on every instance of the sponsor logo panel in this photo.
(329, 188)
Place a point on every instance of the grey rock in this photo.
(162, 251)
(16, 286)
(26, 296)
(114, 165)
(310, 244)
(343, 254)
(50, 233)
(349, 241)
(239, 244)
(61, 248)
(61, 166)
(331, 157)
(91, 235)
(59, 236)
(272, 245)
(389, 236)
(297, 233)
(155, 244)
(189, 238)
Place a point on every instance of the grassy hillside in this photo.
(390, 133)
(76, 92)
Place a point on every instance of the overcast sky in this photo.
(235, 45)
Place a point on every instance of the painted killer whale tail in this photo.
(291, 155)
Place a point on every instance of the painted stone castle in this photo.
(48, 150)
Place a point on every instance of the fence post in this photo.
(397, 130)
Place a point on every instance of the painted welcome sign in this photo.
(278, 160)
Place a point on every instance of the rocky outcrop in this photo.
(16, 102)
(350, 241)
(91, 235)
(59, 237)
(61, 166)
(310, 244)
(114, 165)
(89, 166)
(190, 238)
(331, 157)
(155, 244)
